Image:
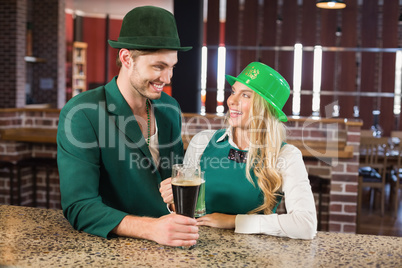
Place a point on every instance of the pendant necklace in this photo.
(149, 121)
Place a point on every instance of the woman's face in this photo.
(239, 104)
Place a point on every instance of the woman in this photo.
(249, 167)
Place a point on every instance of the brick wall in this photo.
(344, 184)
(339, 195)
(48, 43)
(13, 17)
(48, 34)
(15, 151)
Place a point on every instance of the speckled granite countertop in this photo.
(43, 238)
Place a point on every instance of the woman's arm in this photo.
(301, 218)
(218, 220)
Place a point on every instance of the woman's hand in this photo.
(218, 220)
(166, 191)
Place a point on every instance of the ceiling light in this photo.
(331, 4)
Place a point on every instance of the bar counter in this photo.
(43, 238)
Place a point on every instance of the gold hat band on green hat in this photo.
(148, 27)
(268, 83)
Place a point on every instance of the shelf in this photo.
(79, 76)
(79, 68)
(34, 59)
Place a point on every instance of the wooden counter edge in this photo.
(316, 149)
(320, 153)
(48, 135)
(346, 121)
(36, 135)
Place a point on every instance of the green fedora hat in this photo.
(148, 27)
(266, 82)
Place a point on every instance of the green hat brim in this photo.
(116, 44)
(279, 113)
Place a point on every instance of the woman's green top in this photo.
(227, 189)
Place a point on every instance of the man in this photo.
(117, 142)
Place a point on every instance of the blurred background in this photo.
(339, 63)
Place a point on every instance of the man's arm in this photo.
(79, 169)
(171, 230)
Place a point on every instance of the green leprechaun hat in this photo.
(267, 82)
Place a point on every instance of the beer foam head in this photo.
(194, 181)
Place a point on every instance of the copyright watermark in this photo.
(123, 133)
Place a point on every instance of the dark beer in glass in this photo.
(185, 195)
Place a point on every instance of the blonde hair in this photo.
(267, 134)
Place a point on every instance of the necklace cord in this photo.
(149, 121)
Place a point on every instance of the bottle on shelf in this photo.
(376, 128)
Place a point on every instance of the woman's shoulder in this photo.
(290, 157)
(289, 150)
(289, 147)
(203, 137)
(197, 146)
